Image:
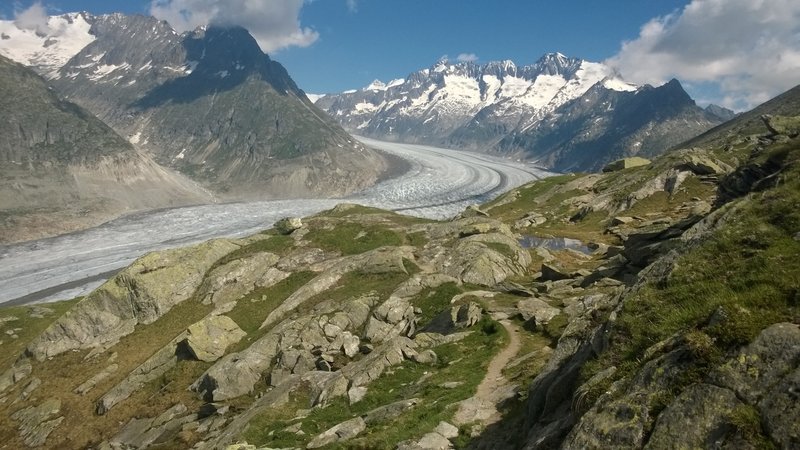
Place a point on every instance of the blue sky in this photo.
(333, 45)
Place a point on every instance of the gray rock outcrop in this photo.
(208, 339)
(141, 293)
(37, 422)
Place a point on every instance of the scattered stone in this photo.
(538, 310)
(457, 317)
(21, 369)
(35, 423)
(451, 384)
(39, 312)
(90, 384)
(703, 165)
(552, 273)
(426, 357)
(32, 385)
(391, 411)
(473, 211)
(339, 433)
(356, 394)
(208, 339)
(625, 163)
(350, 344)
(323, 365)
(447, 430)
(139, 294)
(288, 225)
(622, 220)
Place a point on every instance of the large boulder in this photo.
(288, 225)
(625, 163)
(538, 310)
(475, 262)
(209, 338)
(455, 318)
(141, 293)
(697, 418)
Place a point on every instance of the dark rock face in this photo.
(604, 125)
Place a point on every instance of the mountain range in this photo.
(208, 104)
(562, 112)
(62, 168)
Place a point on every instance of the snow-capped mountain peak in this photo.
(437, 101)
(46, 48)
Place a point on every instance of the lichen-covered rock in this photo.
(288, 225)
(239, 277)
(339, 433)
(391, 411)
(381, 260)
(36, 423)
(141, 293)
(625, 163)
(766, 374)
(474, 262)
(538, 310)
(18, 371)
(697, 418)
(208, 339)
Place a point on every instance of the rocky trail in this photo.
(494, 388)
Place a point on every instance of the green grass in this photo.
(527, 200)
(464, 361)
(748, 270)
(25, 327)
(251, 310)
(353, 238)
(277, 244)
(434, 301)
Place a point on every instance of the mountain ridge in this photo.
(502, 108)
(208, 103)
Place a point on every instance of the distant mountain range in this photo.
(566, 113)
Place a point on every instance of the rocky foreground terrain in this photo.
(651, 306)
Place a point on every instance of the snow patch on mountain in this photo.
(46, 50)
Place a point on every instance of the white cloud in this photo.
(274, 23)
(352, 6)
(467, 57)
(33, 18)
(750, 48)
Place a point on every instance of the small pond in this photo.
(555, 244)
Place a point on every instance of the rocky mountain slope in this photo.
(61, 168)
(564, 112)
(208, 103)
(580, 311)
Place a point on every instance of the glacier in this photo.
(439, 184)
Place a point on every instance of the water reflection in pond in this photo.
(554, 244)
